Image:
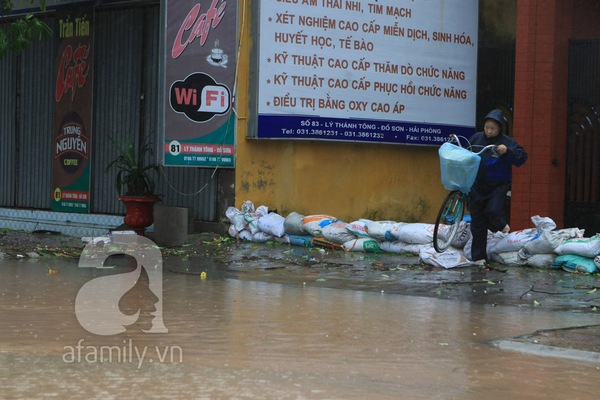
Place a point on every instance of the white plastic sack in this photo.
(232, 231)
(285, 239)
(245, 235)
(367, 245)
(251, 220)
(336, 232)
(272, 223)
(261, 237)
(261, 211)
(247, 217)
(247, 207)
(380, 230)
(513, 241)
(508, 258)
(542, 261)
(585, 247)
(231, 212)
(547, 241)
(543, 224)
(236, 217)
(359, 228)
(402, 247)
(448, 259)
(314, 224)
(293, 224)
(415, 233)
(492, 239)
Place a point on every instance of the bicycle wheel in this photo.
(448, 220)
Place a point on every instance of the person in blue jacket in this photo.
(493, 181)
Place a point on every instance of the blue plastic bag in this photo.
(459, 167)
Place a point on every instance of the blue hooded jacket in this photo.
(495, 171)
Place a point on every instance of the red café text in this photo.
(72, 72)
(198, 26)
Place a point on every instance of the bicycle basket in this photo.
(459, 167)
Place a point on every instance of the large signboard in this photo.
(73, 96)
(393, 71)
(200, 66)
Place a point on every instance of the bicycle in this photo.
(459, 168)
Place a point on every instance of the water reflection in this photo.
(233, 339)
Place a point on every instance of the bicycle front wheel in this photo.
(448, 220)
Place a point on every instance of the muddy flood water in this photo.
(234, 339)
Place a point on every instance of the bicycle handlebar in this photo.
(455, 138)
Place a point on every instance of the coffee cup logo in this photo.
(217, 57)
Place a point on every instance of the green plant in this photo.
(23, 30)
(133, 171)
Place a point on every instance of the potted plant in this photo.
(135, 183)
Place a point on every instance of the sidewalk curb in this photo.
(547, 351)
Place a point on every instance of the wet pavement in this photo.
(264, 321)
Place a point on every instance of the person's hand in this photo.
(501, 149)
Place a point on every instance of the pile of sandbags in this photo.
(545, 247)
(539, 247)
(363, 235)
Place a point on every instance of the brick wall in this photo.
(543, 30)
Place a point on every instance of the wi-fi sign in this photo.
(199, 97)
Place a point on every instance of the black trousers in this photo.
(486, 213)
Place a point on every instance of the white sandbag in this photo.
(508, 258)
(285, 239)
(585, 247)
(314, 224)
(239, 222)
(261, 237)
(416, 233)
(448, 259)
(380, 230)
(543, 224)
(513, 241)
(261, 211)
(367, 245)
(359, 228)
(547, 241)
(293, 224)
(272, 223)
(231, 212)
(251, 220)
(232, 231)
(247, 217)
(402, 247)
(336, 232)
(542, 261)
(245, 235)
(247, 207)
(242, 220)
(492, 239)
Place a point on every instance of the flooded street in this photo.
(236, 339)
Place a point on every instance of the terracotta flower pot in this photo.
(139, 212)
